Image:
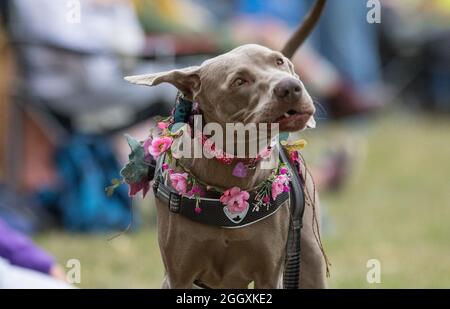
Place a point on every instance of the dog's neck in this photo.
(212, 171)
(218, 174)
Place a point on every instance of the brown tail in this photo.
(304, 29)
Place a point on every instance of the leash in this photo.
(291, 275)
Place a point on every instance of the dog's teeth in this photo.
(286, 115)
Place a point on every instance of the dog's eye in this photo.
(280, 61)
(238, 82)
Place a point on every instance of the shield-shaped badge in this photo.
(236, 217)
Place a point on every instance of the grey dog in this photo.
(250, 84)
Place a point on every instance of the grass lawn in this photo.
(396, 209)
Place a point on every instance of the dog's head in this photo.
(250, 84)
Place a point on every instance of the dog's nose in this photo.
(288, 89)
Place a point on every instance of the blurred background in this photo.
(380, 155)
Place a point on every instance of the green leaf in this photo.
(136, 169)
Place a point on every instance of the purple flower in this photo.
(196, 191)
(135, 188)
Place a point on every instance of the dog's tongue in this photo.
(311, 124)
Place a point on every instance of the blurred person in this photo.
(14, 277)
(24, 265)
(340, 63)
(72, 71)
(168, 16)
(416, 36)
(77, 68)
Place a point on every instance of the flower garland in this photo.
(234, 199)
(227, 158)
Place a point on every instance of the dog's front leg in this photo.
(270, 277)
(166, 285)
(179, 275)
(269, 283)
(177, 282)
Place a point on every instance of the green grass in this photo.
(129, 261)
(396, 209)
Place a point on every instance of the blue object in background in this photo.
(343, 36)
(87, 164)
(289, 11)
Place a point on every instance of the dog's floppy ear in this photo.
(187, 80)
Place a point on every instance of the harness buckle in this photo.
(174, 202)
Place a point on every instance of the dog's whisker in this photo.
(321, 108)
(236, 116)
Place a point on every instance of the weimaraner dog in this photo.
(250, 84)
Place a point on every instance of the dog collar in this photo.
(213, 211)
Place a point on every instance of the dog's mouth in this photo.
(293, 120)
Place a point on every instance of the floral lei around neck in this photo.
(144, 154)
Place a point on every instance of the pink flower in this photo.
(266, 153)
(179, 182)
(165, 167)
(266, 199)
(163, 125)
(295, 157)
(235, 200)
(198, 210)
(196, 191)
(146, 145)
(160, 145)
(209, 146)
(283, 171)
(279, 185)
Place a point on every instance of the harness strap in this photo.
(291, 276)
(213, 212)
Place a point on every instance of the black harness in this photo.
(214, 213)
(291, 276)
